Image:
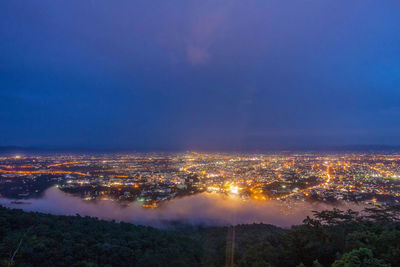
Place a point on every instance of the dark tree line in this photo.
(329, 238)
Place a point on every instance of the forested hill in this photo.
(330, 238)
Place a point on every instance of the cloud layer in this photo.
(199, 74)
(202, 209)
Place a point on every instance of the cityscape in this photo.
(200, 133)
(151, 179)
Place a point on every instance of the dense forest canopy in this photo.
(329, 238)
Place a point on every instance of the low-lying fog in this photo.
(200, 209)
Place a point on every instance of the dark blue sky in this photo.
(199, 74)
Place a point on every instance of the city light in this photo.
(154, 178)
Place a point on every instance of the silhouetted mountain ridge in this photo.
(310, 148)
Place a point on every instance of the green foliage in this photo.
(84, 241)
(317, 264)
(360, 257)
(338, 238)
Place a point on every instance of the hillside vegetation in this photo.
(330, 238)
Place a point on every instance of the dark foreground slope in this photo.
(332, 237)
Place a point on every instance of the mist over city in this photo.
(200, 133)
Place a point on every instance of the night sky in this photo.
(199, 74)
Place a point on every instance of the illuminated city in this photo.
(151, 179)
(200, 133)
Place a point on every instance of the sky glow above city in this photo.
(188, 75)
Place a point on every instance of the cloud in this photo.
(200, 209)
(197, 55)
(207, 21)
